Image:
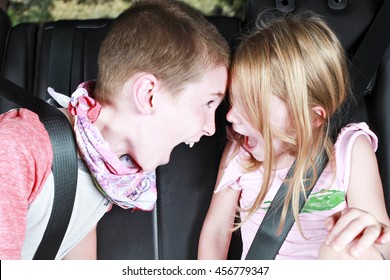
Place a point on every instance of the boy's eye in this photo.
(210, 103)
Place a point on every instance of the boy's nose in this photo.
(209, 127)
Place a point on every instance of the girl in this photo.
(288, 78)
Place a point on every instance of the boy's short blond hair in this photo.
(166, 38)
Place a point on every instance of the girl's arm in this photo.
(219, 222)
(218, 226)
(355, 230)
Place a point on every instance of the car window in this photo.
(50, 10)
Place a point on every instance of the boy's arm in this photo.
(86, 249)
(25, 163)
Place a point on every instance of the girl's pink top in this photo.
(327, 197)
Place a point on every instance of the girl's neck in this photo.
(283, 161)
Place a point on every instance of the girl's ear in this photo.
(144, 89)
(319, 115)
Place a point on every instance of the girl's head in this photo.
(288, 77)
(168, 39)
(296, 59)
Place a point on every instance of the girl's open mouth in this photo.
(250, 143)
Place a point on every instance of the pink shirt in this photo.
(27, 190)
(25, 163)
(327, 197)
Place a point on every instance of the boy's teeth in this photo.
(190, 144)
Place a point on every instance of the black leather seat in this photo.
(349, 22)
(67, 54)
(5, 26)
(19, 55)
(379, 118)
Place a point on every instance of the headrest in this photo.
(348, 19)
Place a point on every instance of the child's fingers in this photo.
(337, 223)
(331, 221)
(366, 240)
(385, 235)
(354, 224)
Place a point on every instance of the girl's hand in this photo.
(356, 230)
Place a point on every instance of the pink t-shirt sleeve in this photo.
(230, 171)
(25, 163)
(344, 145)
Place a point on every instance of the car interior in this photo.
(62, 54)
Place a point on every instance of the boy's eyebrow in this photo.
(219, 94)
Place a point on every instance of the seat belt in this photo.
(64, 166)
(364, 65)
(266, 244)
(60, 60)
(59, 77)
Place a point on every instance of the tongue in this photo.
(251, 142)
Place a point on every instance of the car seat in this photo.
(5, 25)
(19, 55)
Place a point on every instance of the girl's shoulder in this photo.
(230, 168)
(347, 137)
(350, 132)
(345, 142)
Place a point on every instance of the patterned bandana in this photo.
(119, 180)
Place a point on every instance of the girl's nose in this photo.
(231, 116)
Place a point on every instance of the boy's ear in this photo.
(319, 115)
(144, 88)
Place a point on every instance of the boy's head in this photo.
(166, 38)
(162, 74)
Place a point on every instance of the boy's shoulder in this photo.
(19, 119)
(23, 127)
(24, 141)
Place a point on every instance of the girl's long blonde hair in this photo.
(299, 59)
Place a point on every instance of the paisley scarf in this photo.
(118, 179)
